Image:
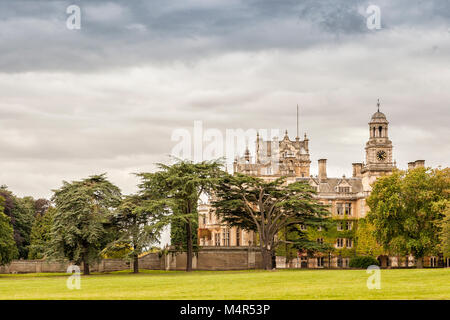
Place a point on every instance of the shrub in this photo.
(363, 262)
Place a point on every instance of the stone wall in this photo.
(208, 258)
(38, 266)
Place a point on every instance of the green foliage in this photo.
(175, 190)
(136, 229)
(405, 210)
(444, 234)
(83, 212)
(41, 234)
(8, 249)
(366, 243)
(251, 203)
(362, 262)
(178, 234)
(21, 213)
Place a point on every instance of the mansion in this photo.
(345, 196)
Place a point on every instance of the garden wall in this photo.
(208, 258)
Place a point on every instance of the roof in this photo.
(329, 185)
(378, 117)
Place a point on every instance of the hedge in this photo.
(363, 262)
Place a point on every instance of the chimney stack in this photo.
(419, 163)
(322, 169)
(357, 167)
(411, 165)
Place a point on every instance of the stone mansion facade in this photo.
(345, 196)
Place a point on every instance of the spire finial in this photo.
(297, 122)
(378, 105)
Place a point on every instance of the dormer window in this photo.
(344, 189)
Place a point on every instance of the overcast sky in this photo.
(107, 97)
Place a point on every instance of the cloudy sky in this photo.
(107, 97)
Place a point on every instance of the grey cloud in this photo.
(107, 97)
(117, 33)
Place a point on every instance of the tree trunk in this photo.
(85, 268)
(136, 264)
(419, 263)
(266, 259)
(189, 246)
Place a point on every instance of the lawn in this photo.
(280, 284)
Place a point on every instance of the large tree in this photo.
(21, 211)
(83, 212)
(137, 228)
(179, 187)
(8, 249)
(41, 233)
(366, 242)
(404, 211)
(445, 231)
(267, 208)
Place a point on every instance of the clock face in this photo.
(381, 155)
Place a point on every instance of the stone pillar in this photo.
(357, 167)
(419, 163)
(322, 169)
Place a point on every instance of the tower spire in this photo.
(297, 122)
(378, 105)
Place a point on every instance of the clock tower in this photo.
(378, 150)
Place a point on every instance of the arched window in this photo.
(373, 135)
(380, 129)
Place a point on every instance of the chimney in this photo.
(419, 163)
(322, 169)
(357, 167)
(411, 165)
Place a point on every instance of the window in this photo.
(339, 243)
(319, 240)
(348, 225)
(348, 209)
(339, 226)
(342, 262)
(348, 243)
(302, 227)
(345, 262)
(433, 262)
(210, 217)
(320, 261)
(344, 189)
(226, 237)
(217, 239)
(319, 228)
(204, 218)
(238, 237)
(314, 188)
(340, 209)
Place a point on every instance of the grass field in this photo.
(280, 284)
